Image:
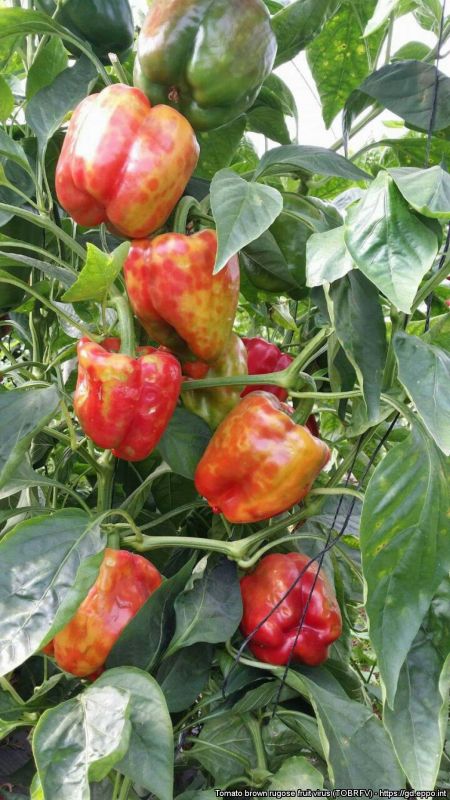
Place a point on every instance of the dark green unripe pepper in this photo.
(207, 58)
(106, 24)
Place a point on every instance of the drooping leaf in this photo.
(424, 371)
(242, 211)
(405, 547)
(293, 158)
(327, 257)
(426, 190)
(389, 243)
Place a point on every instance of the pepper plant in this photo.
(224, 415)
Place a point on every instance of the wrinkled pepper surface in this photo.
(208, 58)
(123, 403)
(262, 589)
(176, 297)
(259, 462)
(124, 162)
(123, 584)
(106, 24)
(214, 404)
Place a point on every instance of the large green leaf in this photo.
(359, 323)
(217, 147)
(210, 607)
(22, 415)
(296, 25)
(293, 158)
(149, 757)
(81, 740)
(296, 771)
(183, 676)
(389, 243)
(339, 58)
(424, 371)
(184, 441)
(40, 560)
(426, 190)
(242, 211)
(405, 547)
(48, 63)
(327, 257)
(225, 748)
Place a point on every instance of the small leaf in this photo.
(305, 158)
(242, 210)
(426, 190)
(210, 608)
(424, 371)
(6, 100)
(280, 315)
(405, 547)
(98, 274)
(327, 257)
(184, 441)
(81, 740)
(149, 757)
(389, 243)
(22, 415)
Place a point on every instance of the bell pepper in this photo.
(176, 297)
(124, 162)
(106, 24)
(206, 58)
(214, 404)
(123, 403)
(262, 589)
(259, 462)
(125, 581)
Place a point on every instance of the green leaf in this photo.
(296, 25)
(417, 721)
(270, 122)
(424, 371)
(327, 257)
(49, 106)
(210, 607)
(147, 635)
(225, 748)
(149, 759)
(381, 14)
(184, 441)
(405, 547)
(14, 152)
(81, 740)
(356, 746)
(6, 100)
(53, 271)
(49, 62)
(98, 274)
(426, 190)
(22, 415)
(183, 676)
(389, 243)
(359, 322)
(40, 559)
(296, 771)
(21, 22)
(294, 157)
(340, 59)
(275, 94)
(242, 211)
(217, 147)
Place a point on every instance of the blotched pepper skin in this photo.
(124, 162)
(262, 359)
(259, 462)
(122, 403)
(262, 589)
(176, 297)
(214, 404)
(208, 58)
(123, 584)
(106, 24)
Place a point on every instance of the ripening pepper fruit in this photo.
(263, 588)
(262, 359)
(176, 297)
(124, 162)
(207, 58)
(122, 403)
(259, 462)
(106, 24)
(214, 404)
(125, 581)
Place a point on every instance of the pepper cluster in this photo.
(126, 163)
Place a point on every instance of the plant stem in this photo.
(44, 222)
(105, 483)
(126, 322)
